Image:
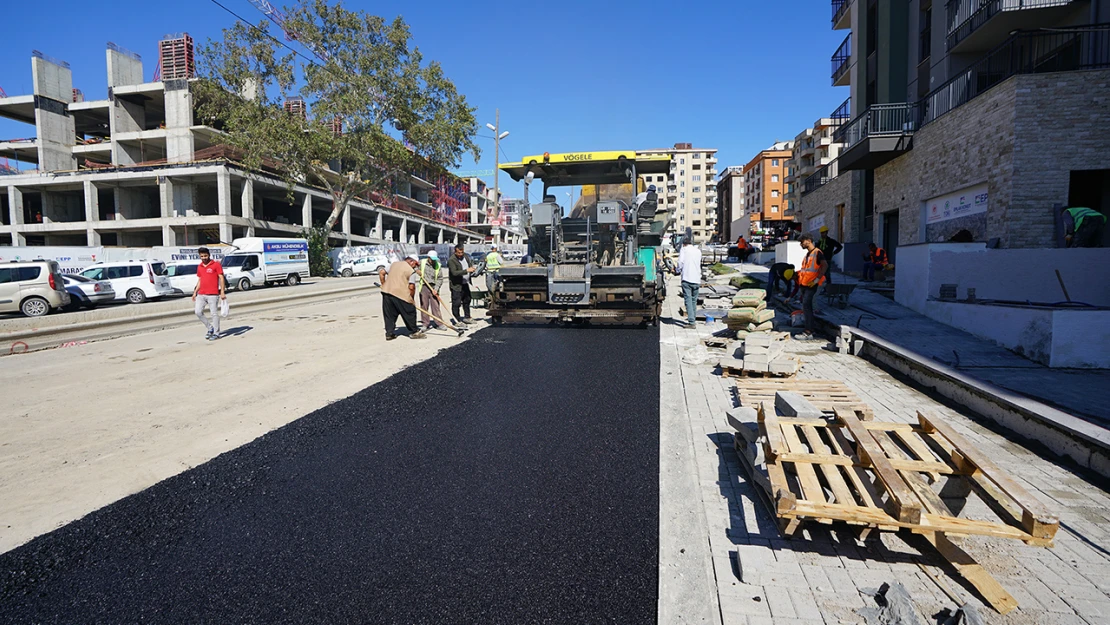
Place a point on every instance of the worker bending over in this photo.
(1083, 227)
(398, 297)
(782, 272)
(874, 259)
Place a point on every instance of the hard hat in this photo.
(788, 274)
(434, 255)
(824, 229)
(413, 257)
(493, 247)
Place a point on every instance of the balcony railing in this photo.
(879, 120)
(967, 16)
(1028, 52)
(839, 8)
(841, 59)
(843, 113)
(819, 178)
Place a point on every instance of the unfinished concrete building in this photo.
(136, 170)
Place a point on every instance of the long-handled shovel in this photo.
(441, 320)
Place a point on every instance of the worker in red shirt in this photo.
(211, 288)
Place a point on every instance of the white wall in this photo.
(1078, 341)
(790, 252)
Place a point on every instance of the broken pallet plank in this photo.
(907, 508)
(974, 573)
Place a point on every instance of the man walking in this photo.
(430, 281)
(494, 262)
(210, 289)
(458, 277)
(810, 277)
(829, 247)
(689, 267)
(398, 291)
(1083, 227)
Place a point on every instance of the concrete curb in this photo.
(50, 337)
(1061, 433)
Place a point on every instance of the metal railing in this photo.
(820, 177)
(842, 58)
(1027, 52)
(843, 113)
(967, 16)
(839, 8)
(879, 120)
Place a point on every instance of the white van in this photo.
(257, 261)
(133, 280)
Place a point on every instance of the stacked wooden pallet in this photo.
(825, 460)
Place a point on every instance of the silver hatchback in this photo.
(33, 288)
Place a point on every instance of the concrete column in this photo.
(179, 118)
(404, 236)
(306, 211)
(346, 219)
(248, 199)
(15, 205)
(92, 237)
(378, 232)
(226, 233)
(53, 89)
(169, 237)
(124, 68)
(440, 238)
(223, 192)
(420, 236)
(92, 203)
(165, 198)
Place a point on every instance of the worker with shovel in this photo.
(430, 281)
(398, 291)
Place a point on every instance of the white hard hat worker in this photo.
(434, 255)
(493, 247)
(413, 257)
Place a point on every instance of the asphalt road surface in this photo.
(511, 479)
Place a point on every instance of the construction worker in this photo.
(829, 247)
(494, 262)
(689, 267)
(398, 291)
(744, 247)
(810, 277)
(1083, 227)
(874, 259)
(782, 272)
(430, 281)
(459, 270)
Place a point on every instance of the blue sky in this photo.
(567, 76)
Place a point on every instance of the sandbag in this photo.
(763, 315)
(742, 314)
(766, 326)
(748, 302)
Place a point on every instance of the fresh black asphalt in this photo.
(510, 479)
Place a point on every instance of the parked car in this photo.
(32, 287)
(87, 293)
(367, 265)
(182, 276)
(478, 257)
(512, 255)
(135, 281)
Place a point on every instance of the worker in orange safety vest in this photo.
(810, 277)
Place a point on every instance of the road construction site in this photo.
(303, 470)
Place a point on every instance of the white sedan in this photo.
(367, 265)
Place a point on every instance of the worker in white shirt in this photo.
(689, 267)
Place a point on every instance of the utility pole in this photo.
(497, 137)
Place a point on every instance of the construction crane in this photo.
(279, 18)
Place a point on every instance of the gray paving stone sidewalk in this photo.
(1075, 391)
(824, 577)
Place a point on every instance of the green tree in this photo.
(365, 76)
(319, 264)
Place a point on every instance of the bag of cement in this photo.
(763, 315)
(742, 314)
(751, 298)
(766, 326)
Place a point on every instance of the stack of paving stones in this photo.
(749, 313)
(748, 441)
(762, 352)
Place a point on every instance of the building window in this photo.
(774, 192)
(774, 177)
(682, 183)
(682, 172)
(681, 161)
(774, 208)
(697, 177)
(697, 189)
(697, 167)
(697, 154)
(682, 194)
(696, 211)
(774, 162)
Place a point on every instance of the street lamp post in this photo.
(497, 137)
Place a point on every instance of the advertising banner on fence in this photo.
(968, 201)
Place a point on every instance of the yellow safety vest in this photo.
(493, 261)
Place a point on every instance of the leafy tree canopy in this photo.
(357, 70)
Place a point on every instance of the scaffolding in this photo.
(77, 95)
(294, 105)
(175, 58)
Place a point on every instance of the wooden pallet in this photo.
(878, 476)
(825, 395)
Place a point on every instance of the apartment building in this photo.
(136, 170)
(813, 160)
(970, 119)
(689, 190)
(765, 188)
(732, 219)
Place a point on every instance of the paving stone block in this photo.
(745, 421)
(755, 366)
(794, 405)
(784, 365)
(779, 600)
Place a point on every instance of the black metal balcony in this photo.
(841, 61)
(816, 180)
(840, 11)
(976, 25)
(843, 112)
(878, 135)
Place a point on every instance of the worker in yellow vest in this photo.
(810, 277)
(494, 262)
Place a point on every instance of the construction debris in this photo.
(895, 607)
(761, 353)
(844, 467)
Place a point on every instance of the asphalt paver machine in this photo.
(597, 260)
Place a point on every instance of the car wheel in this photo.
(347, 273)
(73, 305)
(244, 285)
(136, 296)
(293, 280)
(34, 307)
(379, 268)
